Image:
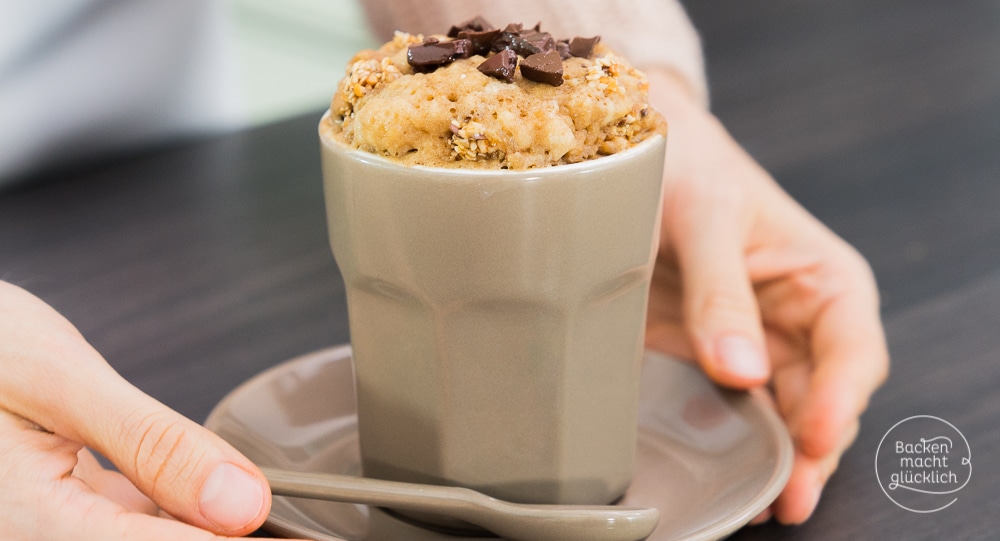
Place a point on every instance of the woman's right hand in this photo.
(58, 397)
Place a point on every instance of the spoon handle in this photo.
(351, 489)
(508, 520)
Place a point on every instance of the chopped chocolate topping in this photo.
(511, 38)
(524, 42)
(482, 42)
(500, 65)
(476, 24)
(516, 43)
(433, 53)
(543, 68)
(562, 47)
(541, 40)
(542, 53)
(583, 47)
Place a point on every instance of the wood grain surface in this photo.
(195, 266)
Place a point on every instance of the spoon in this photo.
(513, 521)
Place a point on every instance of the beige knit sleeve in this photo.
(650, 33)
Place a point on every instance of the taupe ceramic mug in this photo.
(497, 318)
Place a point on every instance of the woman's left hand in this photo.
(761, 293)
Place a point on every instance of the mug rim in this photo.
(603, 162)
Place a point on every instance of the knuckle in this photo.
(843, 273)
(161, 450)
(812, 288)
(723, 307)
(854, 269)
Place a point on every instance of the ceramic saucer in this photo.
(710, 460)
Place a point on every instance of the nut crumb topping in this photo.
(401, 40)
(469, 142)
(363, 77)
(604, 74)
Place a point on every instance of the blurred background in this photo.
(291, 53)
(883, 118)
(82, 79)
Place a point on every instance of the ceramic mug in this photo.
(497, 318)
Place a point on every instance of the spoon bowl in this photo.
(512, 521)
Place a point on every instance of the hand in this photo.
(759, 292)
(57, 394)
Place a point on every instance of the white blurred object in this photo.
(292, 53)
(81, 76)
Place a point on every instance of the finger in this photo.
(763, 517)
(791, 368)
(112, 485)
(720, 309)
(851, 361)
(790, 382)
(32, 454)
(56, 379)
(801, 495)
(187, 470)
(670, 338)
(664, 318)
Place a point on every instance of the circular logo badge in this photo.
(922, 463)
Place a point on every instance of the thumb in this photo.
(721, 315)
(187, 470)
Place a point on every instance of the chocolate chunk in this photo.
(500, 65)
(482, 42)
(543, 68)
(433, 53)
(511, 38)
(583, 47)
(524, 47)
(543, 41)
(562, 47)
(476, 24)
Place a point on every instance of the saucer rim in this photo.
(755, 399)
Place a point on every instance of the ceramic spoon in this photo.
(516, 522)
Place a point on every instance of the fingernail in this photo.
(740, 357)
(231, 497)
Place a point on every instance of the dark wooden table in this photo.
(195, 266)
